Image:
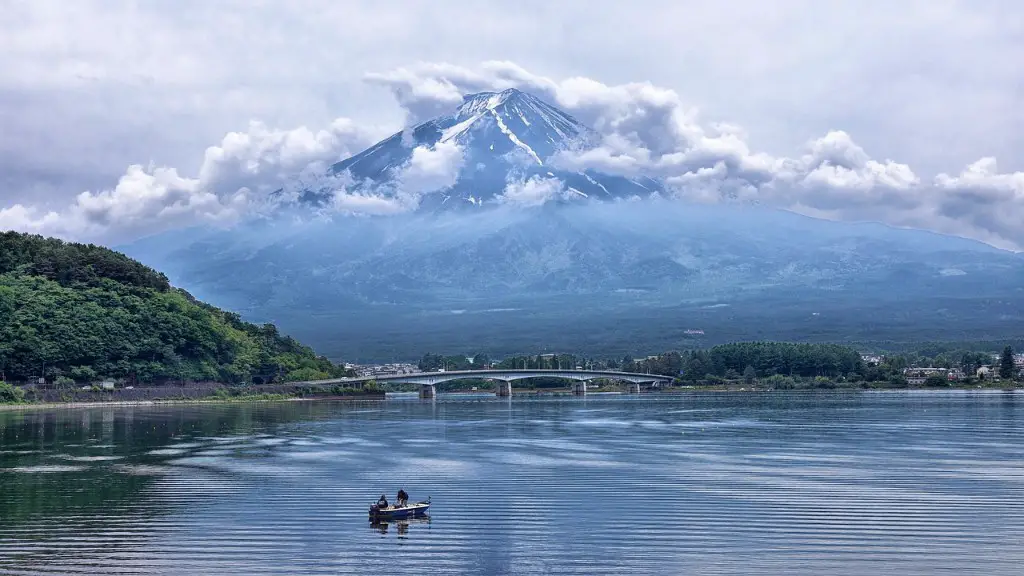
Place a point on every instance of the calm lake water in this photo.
(847, 483)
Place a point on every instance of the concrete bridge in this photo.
(429, 380)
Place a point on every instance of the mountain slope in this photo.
(84, 312)
(596, 278)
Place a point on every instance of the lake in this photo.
(728, 483)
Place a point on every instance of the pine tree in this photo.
(1006, 367)
(749, 374)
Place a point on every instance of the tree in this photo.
(936, 380)
(74, 311)
(1006, 366)
(970, 362)
(749, 374)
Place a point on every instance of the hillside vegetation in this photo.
(76, 312)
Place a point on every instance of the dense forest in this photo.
(79, 313)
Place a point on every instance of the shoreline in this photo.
(185, 401)
(483, 393)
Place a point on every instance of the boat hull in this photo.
(397, 513)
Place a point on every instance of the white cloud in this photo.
(534, 191)
(154, 84)
(145, 200)
(648, 130)
(261, 158)
(431, 168)
(370, 204)
(234, 179)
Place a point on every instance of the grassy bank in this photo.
(209, 392)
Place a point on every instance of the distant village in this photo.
(916, 375)
(370, 370)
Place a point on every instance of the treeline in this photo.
(762, 359)
(433, 362)
(75, 313)
(783, 362)
(765, 358)
(73, 264)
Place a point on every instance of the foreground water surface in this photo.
(847, 483)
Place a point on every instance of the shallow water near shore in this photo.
(709, 483)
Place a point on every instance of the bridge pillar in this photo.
(503, 388)
(579, 388)
(633, 387)
(427, 391)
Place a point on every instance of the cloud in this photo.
(234, 179)
(145, 200)
(360, 203)
(261, 158)
(431, 168)
(646, 130)
(534, 191)
(75, 115)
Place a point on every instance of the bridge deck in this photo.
(505, 375)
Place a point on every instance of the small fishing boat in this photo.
(396, 512)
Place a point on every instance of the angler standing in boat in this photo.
(403, 497)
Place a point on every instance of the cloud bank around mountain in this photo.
(649, 130)
(644, 130)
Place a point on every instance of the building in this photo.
(385, 370)
(917, 376)
(871, 359)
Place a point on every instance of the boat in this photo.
(393, 512)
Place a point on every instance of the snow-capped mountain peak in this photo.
(527, 122)
(505, 136)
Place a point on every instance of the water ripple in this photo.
(711, 484)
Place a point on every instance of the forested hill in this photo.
(82, 312)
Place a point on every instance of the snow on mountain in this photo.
(506, 137)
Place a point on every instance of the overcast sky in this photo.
(89, 89)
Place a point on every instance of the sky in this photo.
(121, 118)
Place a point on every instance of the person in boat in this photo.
(403, 498)
(382, 502)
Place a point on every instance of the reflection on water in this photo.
(401, 526)
(843, 483)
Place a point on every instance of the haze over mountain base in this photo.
(596, 278)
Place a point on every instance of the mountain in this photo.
(596, 276)
(82, 312)
(505, 136)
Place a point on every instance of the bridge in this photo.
(429, 380)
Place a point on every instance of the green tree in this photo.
(936, 381)
(1006, 366)
(749, 374)
(72, 311)
(970, 362)
(10, 395)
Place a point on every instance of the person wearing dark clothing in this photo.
(403, 498)
(383, 502)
